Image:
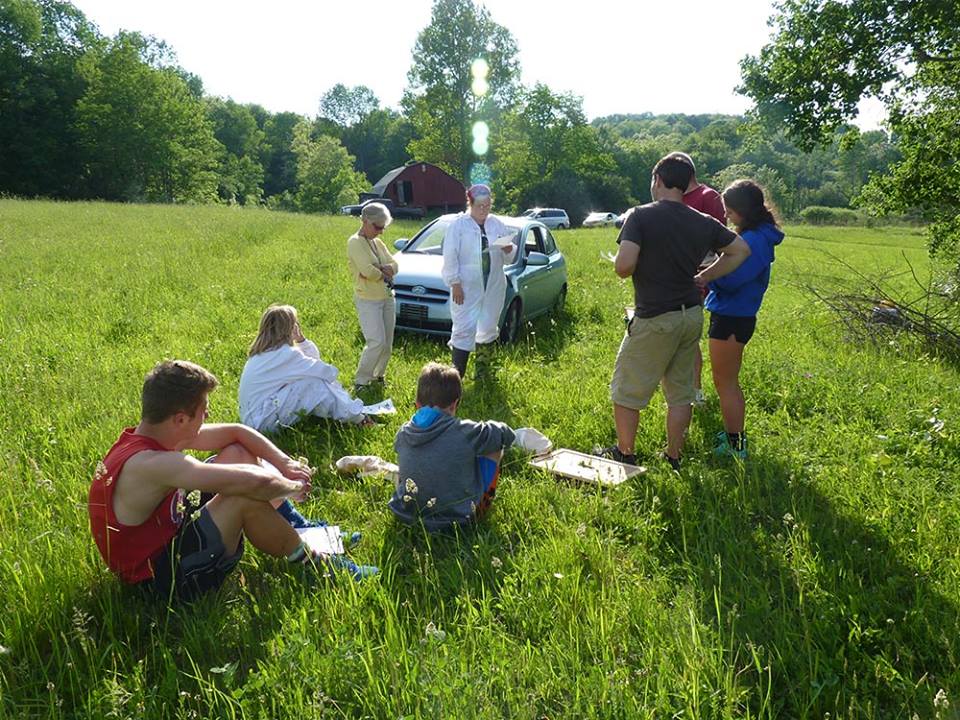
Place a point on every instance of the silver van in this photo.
(554, 218)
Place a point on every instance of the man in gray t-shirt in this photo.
(661, 247)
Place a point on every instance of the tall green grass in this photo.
(818, 578)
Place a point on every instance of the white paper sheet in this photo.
(385, 407)
(324, 540)
(505, 241)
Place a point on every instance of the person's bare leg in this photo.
(237, 454)
(627, 420)
(678, 420)
(726, 357)
(257, 520)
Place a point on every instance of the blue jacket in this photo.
(740, 293)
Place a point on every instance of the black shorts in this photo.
(195, 562)
(723, 326)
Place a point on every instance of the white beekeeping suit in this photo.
(475, 320)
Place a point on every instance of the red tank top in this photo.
(129, 549)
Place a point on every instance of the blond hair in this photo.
(276, 329)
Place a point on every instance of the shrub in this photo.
(820, 215)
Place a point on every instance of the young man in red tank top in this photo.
(137, 498)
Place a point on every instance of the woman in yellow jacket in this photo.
(373, 268)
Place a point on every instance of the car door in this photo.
(533, 282)
(557, 269)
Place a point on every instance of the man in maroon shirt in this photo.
(706, 200)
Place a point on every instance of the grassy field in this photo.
(818, 580)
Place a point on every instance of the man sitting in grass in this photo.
(448, 467)
(137, 500)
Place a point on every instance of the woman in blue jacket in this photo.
(733, 303)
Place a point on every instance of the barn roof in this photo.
(381, 187)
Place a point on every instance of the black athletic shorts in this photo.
(194, 562)
(723, 326)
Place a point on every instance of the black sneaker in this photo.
(674, 462)
(614, 453)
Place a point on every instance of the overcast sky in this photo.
(621, 57)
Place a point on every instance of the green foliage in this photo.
(325, 174)
(144, 134)
(439, 100)
(819, 577)
(240, 174)
(348, 106)
(830, 175)
(41, 44)
(279, 160)
(820, 215)
(547, 155)
(826, 56)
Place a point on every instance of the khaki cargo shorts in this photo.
(655, 350)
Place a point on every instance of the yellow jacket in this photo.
(363, 257)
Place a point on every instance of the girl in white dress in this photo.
(284, 378)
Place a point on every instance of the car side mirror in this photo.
(537, 259)
(401, 243)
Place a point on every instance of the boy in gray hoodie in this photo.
(448, 467)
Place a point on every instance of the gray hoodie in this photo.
(439, 481)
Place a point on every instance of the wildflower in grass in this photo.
(407, 498)
(940, 701)
(432, 632)
(100, 471)
(4, 650)
(496, 562)
(431, 502)
(410, 486)
(558, 576)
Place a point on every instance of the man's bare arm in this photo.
(214, 437)
(626, 260)
(171, 470)
(730, 259)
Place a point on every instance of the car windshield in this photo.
(529, 213)
(430, 239)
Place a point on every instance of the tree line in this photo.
(84, 116)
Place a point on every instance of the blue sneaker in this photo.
(299, 522)
(723, 448)
(357, 572)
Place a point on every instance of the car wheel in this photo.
(511, 323)
(561, 300)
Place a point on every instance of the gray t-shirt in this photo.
(673, 240)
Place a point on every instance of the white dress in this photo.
(475, 321)
(279, 385)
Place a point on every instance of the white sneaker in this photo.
(699, 399)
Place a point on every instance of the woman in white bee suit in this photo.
(473, 270)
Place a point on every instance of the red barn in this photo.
(422, 185)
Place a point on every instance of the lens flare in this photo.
(479, 68)
(480, 86)
(481, 131)
(480, 173)
(480, 146)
